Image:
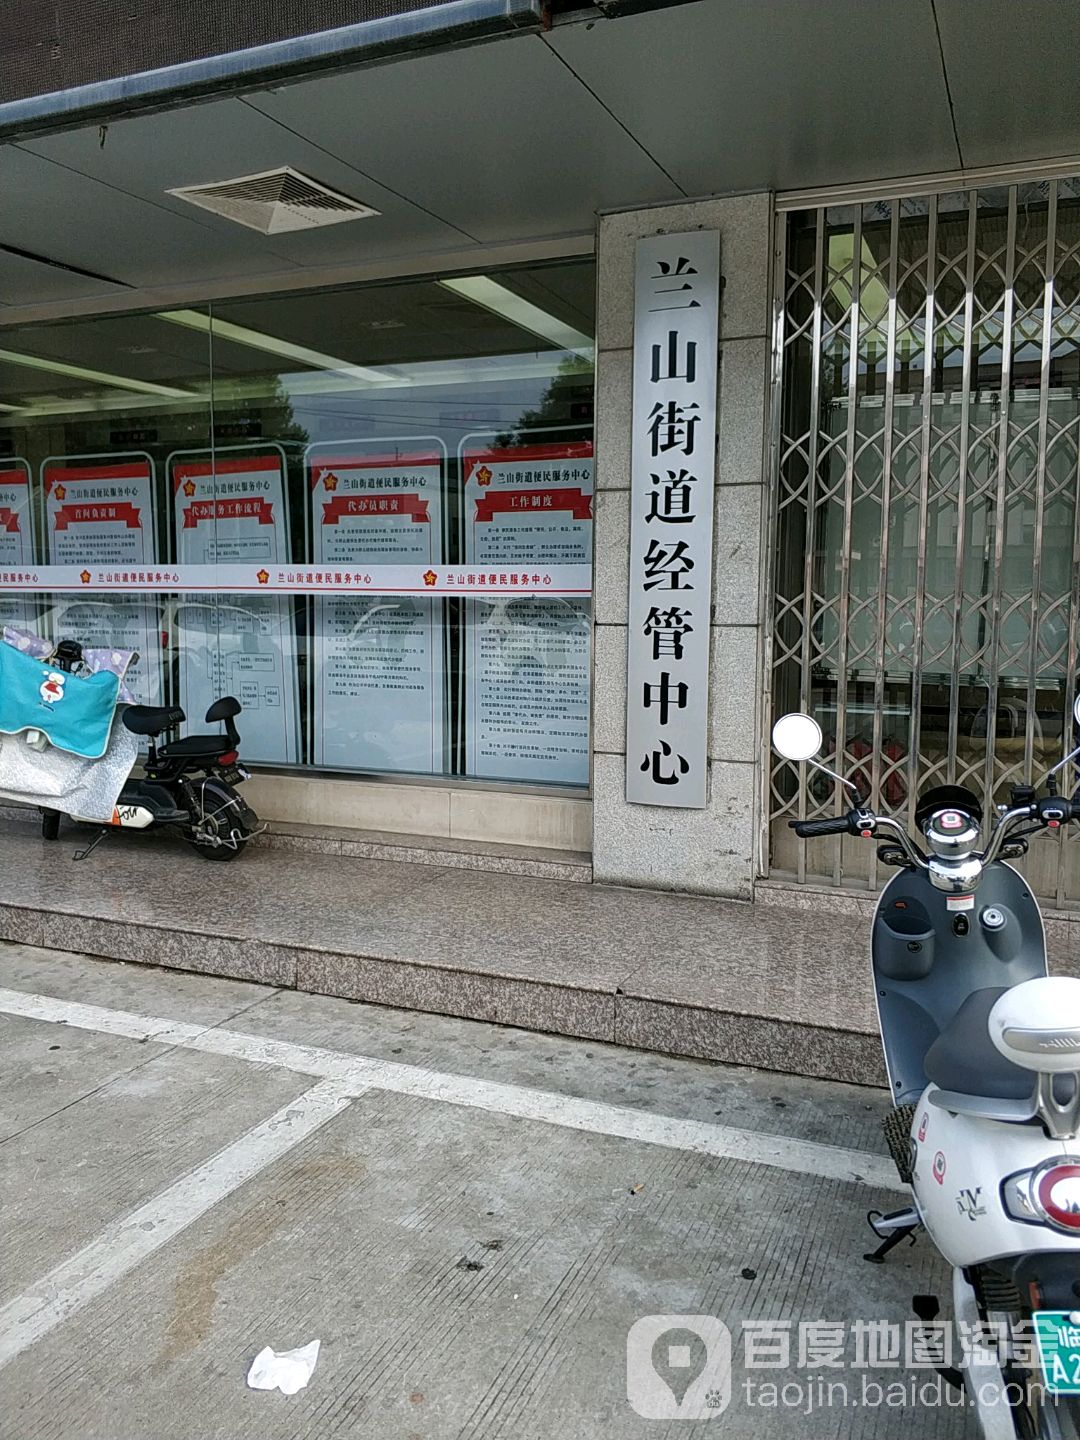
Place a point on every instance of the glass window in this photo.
(326, 442)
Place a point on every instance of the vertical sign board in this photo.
(16, 537)
(101, 512)
(232, 508)
(378, 694)
(528, 681)
(673, 464)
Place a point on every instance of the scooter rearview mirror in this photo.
(796, 736)
(1071, 756)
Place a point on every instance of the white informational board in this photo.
(378, 676)
(100, 511)
(528, 668)
(16, 538)
(232, 508)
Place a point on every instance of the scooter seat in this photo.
(151, 719)
(964, 1058)
(196, 747)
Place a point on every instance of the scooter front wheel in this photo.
(50, 824)
(1059, 1418)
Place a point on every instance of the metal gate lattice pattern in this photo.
(927, 508)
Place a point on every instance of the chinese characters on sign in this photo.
(256, 578)
(673, 460)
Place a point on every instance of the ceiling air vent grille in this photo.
(275, 201)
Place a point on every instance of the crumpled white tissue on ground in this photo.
(288, 1372)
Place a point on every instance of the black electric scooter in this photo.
(189, 783)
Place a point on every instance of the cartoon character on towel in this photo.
(52, 687)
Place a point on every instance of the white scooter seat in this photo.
(963, 1058)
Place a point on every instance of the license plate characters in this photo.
(1057, 1333)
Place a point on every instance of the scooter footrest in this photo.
(897, 1127)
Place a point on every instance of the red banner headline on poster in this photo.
(256, 579)
(248, 507)
(344, 506)
(513, 502)
(104, 512)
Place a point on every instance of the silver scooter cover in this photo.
(59, 781)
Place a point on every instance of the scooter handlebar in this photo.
(838, 825)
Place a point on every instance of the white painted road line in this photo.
(123, 1244)
(357, 1073)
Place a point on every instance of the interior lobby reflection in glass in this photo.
(443, 423)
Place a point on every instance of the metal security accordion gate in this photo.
(926, 561)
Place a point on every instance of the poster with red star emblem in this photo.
(16, 537)
(232, 508)
(99, 510)
(527, 657)
(378, 691)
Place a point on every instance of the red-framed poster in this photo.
(16, 537)
(528, 656)
(100, 510)
(378, 687)
(232, 508)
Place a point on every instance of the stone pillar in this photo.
(711, 851)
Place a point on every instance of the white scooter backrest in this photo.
(1037, 1024)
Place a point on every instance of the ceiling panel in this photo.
(150, 154)
(1013, 78)
(499, 139)
(138, 345)
(78, 221)
(783, 95)
(30, 282)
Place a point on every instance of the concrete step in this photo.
(542, 863)
(675, 973)
(573, 866)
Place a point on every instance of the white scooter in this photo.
(982, 1051)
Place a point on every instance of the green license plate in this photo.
(1058, 1338)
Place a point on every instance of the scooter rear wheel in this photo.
(50, 824)
(225, 819)
(214, 852)
(224, 851)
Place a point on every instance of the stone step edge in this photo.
(536, 862)
(443, 851)
(638, 1022)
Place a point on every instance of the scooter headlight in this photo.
(1057, 1192)
(1047, 1195)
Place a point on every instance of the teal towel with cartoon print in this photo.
(75, 712)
